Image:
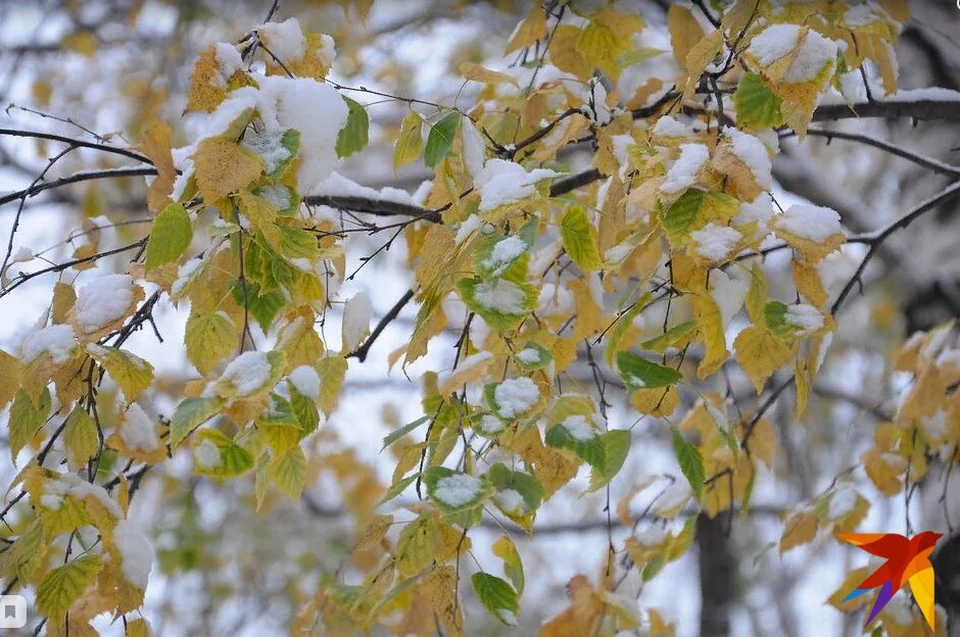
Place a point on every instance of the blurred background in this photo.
(102, 70)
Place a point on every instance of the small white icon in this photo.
(13, 611)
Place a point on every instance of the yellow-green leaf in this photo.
(409, 141)
(209, 337)
(64, 585)
(129, 371)
(580, 238)
(80, 438)
(288, 471)
(170, 236)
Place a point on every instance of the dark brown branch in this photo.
(75, 178)
(373, 206)
(79, 143)
(945, 109)
(361, 352)
(877, 240)
(927, 162)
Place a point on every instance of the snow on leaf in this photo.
(223, 167)
(136, 553)
(453, 491)
(56, 340)
(357, 312)
(515, 396)
(104, 301)
(306, 380)
(170, 236)
(715, 243)
(685, 170)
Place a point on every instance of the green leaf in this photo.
(775, 316)
(580, 238)
(636, 56)
(757, 106)
(130, 372)
(289, 472)
(670, 337)
(523, 483)
(80, 437)
(397, 488)
(209, 337)
(189, 414)
(353, 136)
(497, 596)
(234, 459)
(682, 215)
(506, 550)
(24, 421)
(64, 585)
(263, 307)
(418, 545)
(533, 356)
(170, 236)
(616, 444)
(399, 433)
(453, 491)
(440, 139)
(639, 373)
(516, 301)
(593, 451)
(691, 461)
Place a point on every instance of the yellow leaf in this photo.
(760, 353)
(477, 73)
(417, 545)
(699, 56)
(9, 377)
(655, 401)
(331, 370)
(207, 87)
(799, 529)
(685, 32)
(288, 471)
(532, 28)
(209, 338)
(80, 438)
(885, 470)
(224, 167)
(465, 375)
(83, 42)
(839, 597)
(155, 144)
(62, 586)
(129, 371)
(564, 53)
(64, 296)
(807, 280)
(710, 323)
(409, 141)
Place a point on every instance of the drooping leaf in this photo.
(757, 106)
(440, 139)
(639, 373)
(691, 461)
(170, 236)
(64, 585)
(353, 136)
(497, 596)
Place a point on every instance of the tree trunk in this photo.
(717, 576)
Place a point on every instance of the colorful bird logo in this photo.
(908, 560)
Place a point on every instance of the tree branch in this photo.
(77, 177)
(927, 162)
(361, 352)
(877, 240)
(12, 132)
